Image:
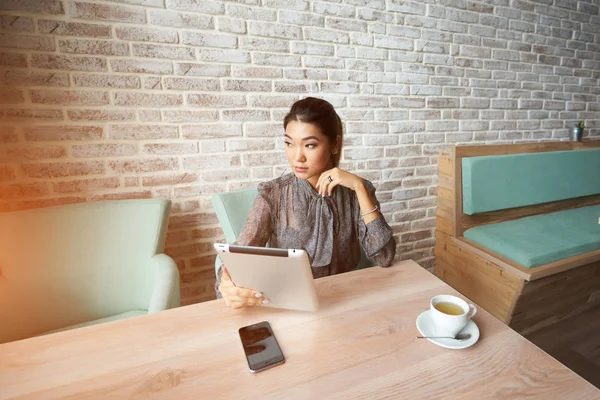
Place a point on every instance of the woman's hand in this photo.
(237, 297)
(334, 177)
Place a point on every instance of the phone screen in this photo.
(261, 347)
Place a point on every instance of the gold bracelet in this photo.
(370, 212)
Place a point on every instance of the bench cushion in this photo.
(127, 314)
(499, 182)
(543, 238)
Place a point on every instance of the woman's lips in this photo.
(301, 169)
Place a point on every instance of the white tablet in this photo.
(282, 275)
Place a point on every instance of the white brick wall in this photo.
(182, 99)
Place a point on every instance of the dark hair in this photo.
(321, 114)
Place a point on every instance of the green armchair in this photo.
(75, 265)
(232, 209)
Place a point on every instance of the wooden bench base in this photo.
(525, 305)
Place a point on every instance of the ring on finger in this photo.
(329, 178)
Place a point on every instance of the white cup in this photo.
(446, 324)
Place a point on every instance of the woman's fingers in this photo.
(237, 297)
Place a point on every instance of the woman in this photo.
(319, 207)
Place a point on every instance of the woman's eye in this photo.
(311, 146)
(288, 144)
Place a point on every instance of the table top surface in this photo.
(360, 344)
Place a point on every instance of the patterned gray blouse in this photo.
(289, 213)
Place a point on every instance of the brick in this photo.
(111, 81)
(276, 60)
(35, 6)
(63, 169)
(367, 127)
(146, 34)
(231, 25)
(11, 96)
(407, 7)
(140, 194)
(339, 87)
(31, 153)
(103, 150)
(16, 23)
(190, 116)
(19, 191)
(407, 102)
(143, 165)
(313, 74)
(23, 42)
(217, 100)
(373, 54)
(391, 89)
(163, 51)
(204, 69)
(443, 102)
(272, 100)
(180, 20)
(210, 162)
(323, 62)
(442, 126)
(302, 19)
(142, 132)
(96, 47)
(34, 78)
(365, 65)
(85, 185)
(344, 11)
(74, 63)
(170, 148)
(343, 24)
(251, 145)
(391, 115)
(100, 115)
(208, 39)
(295, 86)
(202, 6)
(247, 85)
(206, 131)
(387, 42)
(245, 115)
(69, 97)
(264, 44)
(7, 174)
(12, 60)
(262, 159)
(251, 13)
(169, 179)
(141, 66)
(58, 133)
(325, 35)
(224, 56)
(191, 84)
(269, 29)
(107, 12)
(407, 127)
(147, 99)
(377, 19)
(63, 28)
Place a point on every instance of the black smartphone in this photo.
(261, 347)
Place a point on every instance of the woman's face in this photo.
(308, 150)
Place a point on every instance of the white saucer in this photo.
(427, 328)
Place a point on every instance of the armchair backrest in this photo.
(74, 263)
(232, 209)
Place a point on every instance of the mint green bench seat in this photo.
(501, 182)
(542, 238)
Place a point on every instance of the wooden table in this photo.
(361, 344)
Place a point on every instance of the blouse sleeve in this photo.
(376, 237)
(258, 227)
